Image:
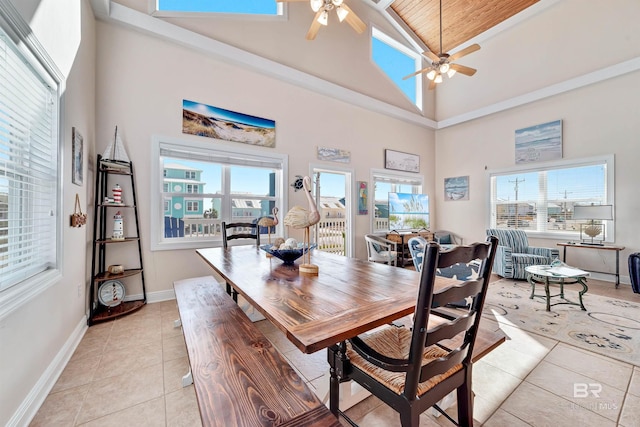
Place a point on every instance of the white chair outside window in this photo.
(381, 250)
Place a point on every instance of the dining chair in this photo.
(381, 250)
(239, 231)
(412, 369)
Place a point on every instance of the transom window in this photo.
(541, 199)
(397, 61)
(385, 183)
(248, 7)
(232, 185)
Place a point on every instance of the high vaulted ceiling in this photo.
(462, 20)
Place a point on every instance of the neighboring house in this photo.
(185, 182)
(331, 207)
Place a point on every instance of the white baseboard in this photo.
(40, 391)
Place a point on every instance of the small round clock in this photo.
(111, 293)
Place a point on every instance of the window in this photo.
(190, 175)
(29, 176)
(249, 7)
(193, 206)
(398, 61)
(541, 199)
(234, 184)
(385, 183)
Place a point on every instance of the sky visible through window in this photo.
(396, 65)
(578, 183)
(259, 7)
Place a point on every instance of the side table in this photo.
(617, 249)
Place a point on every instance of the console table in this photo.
(401, 238)
(617, 250)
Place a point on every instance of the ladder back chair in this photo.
(242, 234)
(412, 369)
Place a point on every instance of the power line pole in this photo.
(564, 208)
(515, 187)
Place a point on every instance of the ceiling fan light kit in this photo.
(443, 63)
(322, 8)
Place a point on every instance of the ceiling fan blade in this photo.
(432, 84)
(315, 26)
(424, 70)
(467, 71)
(353, 20)
(432, 56)
(466, 51)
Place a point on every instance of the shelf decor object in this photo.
(593, 232)
(287, 256)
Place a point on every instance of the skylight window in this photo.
(248, 7)
(397, 61)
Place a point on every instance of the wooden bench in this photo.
(240, 379)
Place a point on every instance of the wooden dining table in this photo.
(348, 296)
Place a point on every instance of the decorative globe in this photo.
(287, 256)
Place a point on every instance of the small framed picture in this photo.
(456, 188)
(400, 161)
(77, 163)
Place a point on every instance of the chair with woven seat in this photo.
(239, 231)
(514, 253)
(380, 249)
(413, 369)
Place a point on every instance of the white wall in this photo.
(141, 84)
(598, 119)
(37, 337)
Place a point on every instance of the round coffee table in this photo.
(540, 274)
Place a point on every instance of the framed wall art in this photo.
(334, 155)
(77, 161)
(397, 160)
(539, 143)
(363, 193)
(213, 122)
(456, 188)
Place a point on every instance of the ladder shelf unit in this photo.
(116, 293)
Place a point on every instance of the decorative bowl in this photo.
(287, 256)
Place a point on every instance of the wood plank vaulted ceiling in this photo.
(462, 20)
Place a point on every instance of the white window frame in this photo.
(391, 42)
(158, 242)
(406, 178)
(11, 22)
(281, 14)
(608, 160)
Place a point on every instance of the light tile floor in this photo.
(128, 373)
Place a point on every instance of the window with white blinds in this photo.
(541, 198)
(199, 184)
(28, 167)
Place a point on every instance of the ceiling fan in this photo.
(443, 63)
(322, 9)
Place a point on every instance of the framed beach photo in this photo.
(397, 160)
(539, 143)
(219, 123)
(456, 188)
(77, 162)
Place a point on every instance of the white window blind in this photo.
(28, 168)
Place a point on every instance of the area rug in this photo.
(609, 327)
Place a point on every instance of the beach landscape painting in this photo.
(334, 155)
(213, 122)
(456, 188)
(539, 143)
